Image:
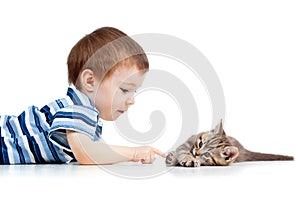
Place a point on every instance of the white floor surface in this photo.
(255, 185)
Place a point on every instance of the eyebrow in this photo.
(130, 84)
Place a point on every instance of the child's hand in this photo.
(146, 154)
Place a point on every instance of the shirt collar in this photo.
(78, 97)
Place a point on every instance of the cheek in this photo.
(205, 162)
(118, 98)
(220, 161)
(103, 99)
(198, 152)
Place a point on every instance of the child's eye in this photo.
(124, 90)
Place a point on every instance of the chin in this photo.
(111, 117)
(114, 117)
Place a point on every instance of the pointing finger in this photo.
(158, 152)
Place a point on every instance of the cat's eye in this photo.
(206, 154)
(200, 144)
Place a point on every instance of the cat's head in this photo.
(214, 148)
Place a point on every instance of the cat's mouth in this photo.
(228, 158)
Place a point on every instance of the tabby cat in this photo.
(215, 148)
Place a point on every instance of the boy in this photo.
(104, 70)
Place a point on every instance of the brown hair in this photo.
(104, 50)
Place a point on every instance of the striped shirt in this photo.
(39, 135)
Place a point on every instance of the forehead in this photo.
(128, 75)
(204, 135)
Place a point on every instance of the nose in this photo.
(130, 101)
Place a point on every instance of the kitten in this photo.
(215, 148)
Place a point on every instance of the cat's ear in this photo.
(230, 153)
(219, 129)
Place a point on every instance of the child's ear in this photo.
(87, 80)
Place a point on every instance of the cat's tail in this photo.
(257, 156)
(171, 159)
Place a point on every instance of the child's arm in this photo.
(87, 151)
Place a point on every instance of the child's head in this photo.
(102, 51)
(108, 66)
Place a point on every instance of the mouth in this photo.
(121, 111)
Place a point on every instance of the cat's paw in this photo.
(171, 159)
(190, 161)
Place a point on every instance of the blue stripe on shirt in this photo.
(3, 152)
(12, 133)
(75, 115)
(52, 149)
(21, 119)
(71, 93)
(32, 137)
(48, 114)
(59, 103)
(34, 147)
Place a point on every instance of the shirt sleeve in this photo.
(75, 118)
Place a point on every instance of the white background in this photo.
(254, 47)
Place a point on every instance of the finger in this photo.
(145, 161)
(152, 157)
(158, 152)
